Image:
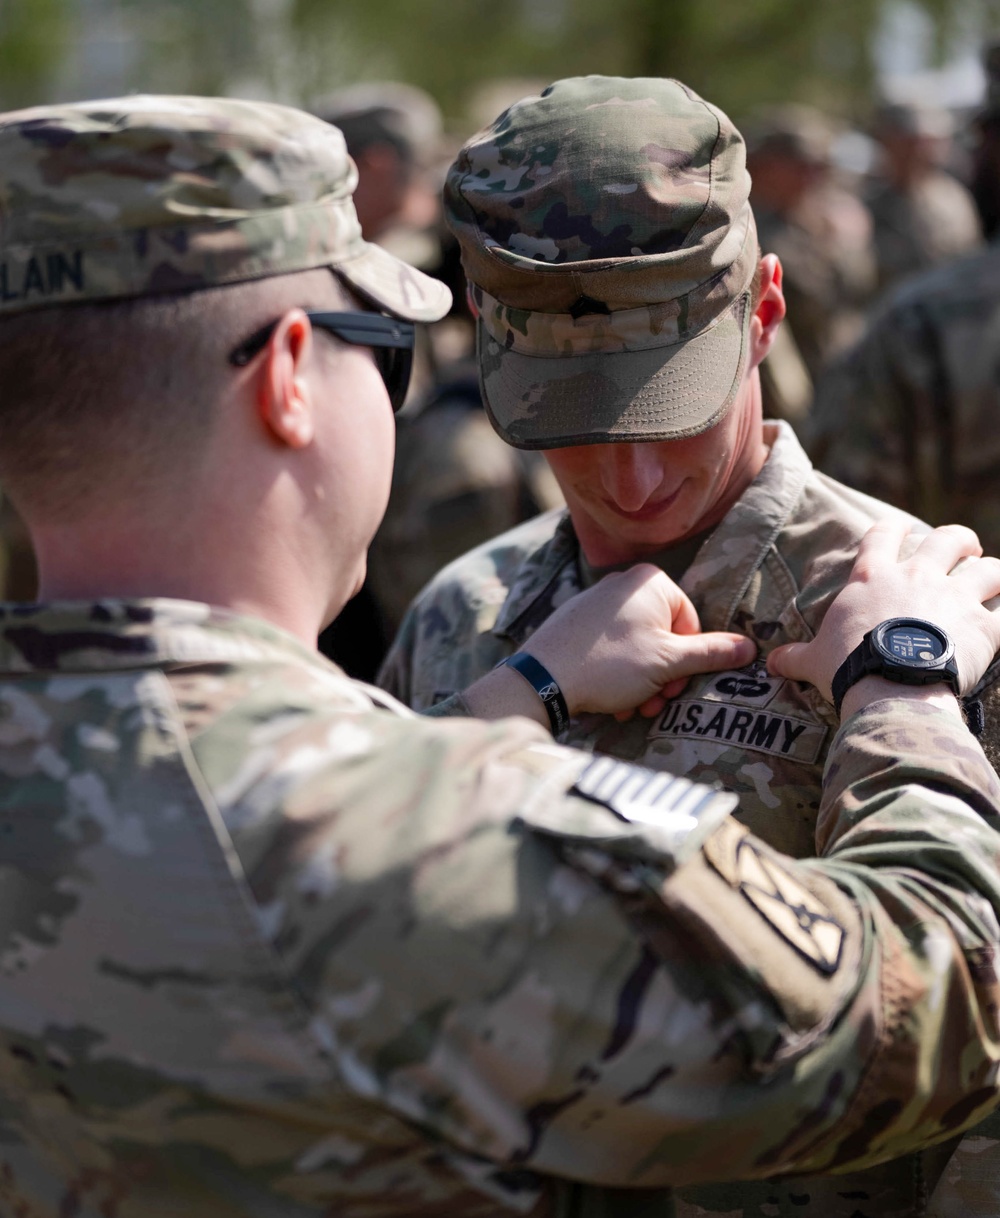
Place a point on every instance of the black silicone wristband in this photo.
(545, 685)
(849, 673)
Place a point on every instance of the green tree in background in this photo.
(34, 38)
(737, 52)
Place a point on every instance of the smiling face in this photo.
(630, 500)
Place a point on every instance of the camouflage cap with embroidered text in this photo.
(606, 230)
(138, 196)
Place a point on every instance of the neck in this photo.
(242, 575)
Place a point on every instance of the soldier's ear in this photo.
(470, 300)
(770, 310)
(284, 396)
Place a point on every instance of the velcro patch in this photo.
(794, 912)
(651, 797)
(742, 727)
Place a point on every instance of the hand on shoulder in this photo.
(933, 584)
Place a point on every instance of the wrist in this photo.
(559, 667)
(537, 678)
(878, 689)
(905, 650)
(501, 693)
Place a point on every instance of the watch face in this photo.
(913, 643)
(908, 643)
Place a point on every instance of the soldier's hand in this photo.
(631, 642)
(928, 584)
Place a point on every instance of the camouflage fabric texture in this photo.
(196, 192)
(909, 413)
(770, 570)
(272, 944)
(454, 485)
(560, 207)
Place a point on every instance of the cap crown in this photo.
(604, 194)
(141, 195)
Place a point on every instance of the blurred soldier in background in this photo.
(624, 310)
(822, 234)
(394, 134)
(455, 483)
(912, 413)
(923, 215)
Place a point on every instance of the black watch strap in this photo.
(849, 673)
(912, 666)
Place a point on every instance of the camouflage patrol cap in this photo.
(139, 196)
(606, 230)
(913, 119)
(792, 130)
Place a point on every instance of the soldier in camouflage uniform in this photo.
(910, 413)
(923, 215)
(624, 308)
(271, 943)
(820, 230)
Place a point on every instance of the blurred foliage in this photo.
(739, 54)
(34, 38)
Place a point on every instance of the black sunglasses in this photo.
(391, 342)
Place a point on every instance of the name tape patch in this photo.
(48, 275)
(762, 730)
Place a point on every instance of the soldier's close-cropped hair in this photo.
(107, 400)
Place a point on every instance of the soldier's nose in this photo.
(631, 474)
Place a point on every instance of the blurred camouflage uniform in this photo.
(818, 228)
(923, 215)
(271, 944)
(910, 412)
(454, 484)
(770, 569)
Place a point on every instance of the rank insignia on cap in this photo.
(791, 909)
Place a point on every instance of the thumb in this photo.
(709, 652)
(789, 660)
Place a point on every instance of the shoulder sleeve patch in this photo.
(794, 912)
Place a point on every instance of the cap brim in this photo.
(664, 393)
(395, 286)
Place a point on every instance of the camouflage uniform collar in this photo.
(737, 546)
(741, 541)
(122, 634)
(526, 606)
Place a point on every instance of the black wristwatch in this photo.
(904, 649)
